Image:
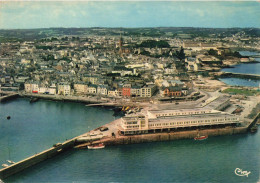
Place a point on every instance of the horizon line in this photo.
(129, 27)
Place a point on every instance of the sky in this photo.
(212, 14)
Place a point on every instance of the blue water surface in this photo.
(245, 68)
(34, 127)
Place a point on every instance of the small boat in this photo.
(5, 165)
(96, 146)
(200, 137)
(253, 129)
(32, 100)
(10, 161)
(8, 117)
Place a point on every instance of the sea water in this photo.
(245, 68)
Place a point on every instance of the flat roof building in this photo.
(154, 120)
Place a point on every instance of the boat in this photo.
(96, 146)
(32, 100)
(90, 137)
(253, 129)
(10, 161)
(5, 165)
(8, 117)
(200, 137)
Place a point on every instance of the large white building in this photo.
(63, 89)
(154, 121)
(36, 88)
(31, 87)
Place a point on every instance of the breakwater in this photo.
(37, 158)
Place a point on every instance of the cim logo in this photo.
(240, 172)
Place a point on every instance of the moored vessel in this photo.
(253, 129)
(96, 146)
(5, 165)
(200, 137)
(32, 100)
(10, 161)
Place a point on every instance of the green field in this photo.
(246, 92)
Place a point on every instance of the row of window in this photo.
(134, 126)
(129, 123)
(193, 122)
(181, 113)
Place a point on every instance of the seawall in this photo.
(168, 136)
(8, 97)
(32, 160)
(64, 98)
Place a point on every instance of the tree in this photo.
(54, 39)
(237, 54)
(213, 52)
(154, 44)
(180, 54)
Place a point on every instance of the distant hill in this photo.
(181, 32)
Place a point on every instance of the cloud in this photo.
(128, 14)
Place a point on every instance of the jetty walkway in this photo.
(37, 158)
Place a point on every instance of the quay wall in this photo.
(30, 161)
(255, 121)
(88, 100)
(7, 97)
(64, 98)
(168, 136)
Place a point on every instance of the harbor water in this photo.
(245, 68)
(35, 127)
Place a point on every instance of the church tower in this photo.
(120, 43)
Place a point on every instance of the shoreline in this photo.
(89, 101)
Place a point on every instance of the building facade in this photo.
(152, 121)
(80, 88)
(64, 89)
(148, 91)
